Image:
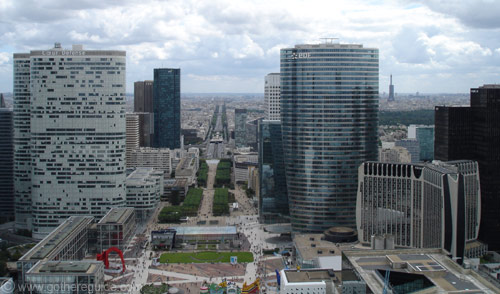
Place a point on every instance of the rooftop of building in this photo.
(309, 275)
(489, 86)
(117, 215)
(312, 246)
(75, 51)
(444, 274)
(229, 230)
(66, 267)
(178, 183)
(54, 241)
(330, 44)
(185, 166)
(152, 150)
(141, 175)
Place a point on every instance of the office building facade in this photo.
(272, 92)
(22, 135)
(132, 131)
(167, 108)
(420, 205)
(77, 134)
(474, 133)
(144, 189)
(329, 116)
(143, 96)
(273, 196)
(240, 129)
(157, 158)
(413, 148)
(6, 162)
(425, 137)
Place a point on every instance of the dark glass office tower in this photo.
(143, 96)
(6, 162)
(474, 133)
(167, 108)
(329, 116)
(240, 133)
(273, 204)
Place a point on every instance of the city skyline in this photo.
(429, 46)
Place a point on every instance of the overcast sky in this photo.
(230, 45)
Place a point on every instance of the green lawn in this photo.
(205, 257)
(152, 289)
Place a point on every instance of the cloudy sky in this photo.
(230, 45)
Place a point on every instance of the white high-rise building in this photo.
(272, 96)
(77, 140)
(132, 127)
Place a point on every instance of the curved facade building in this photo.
(329, 113)
(69, 135)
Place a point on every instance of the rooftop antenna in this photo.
(330, 40)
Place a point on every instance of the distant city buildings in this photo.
(273, 197)
(69, 136)
(413, 148)
(391, 91)
(143, 96)
(272, 92)
(422, 205)
(395, 154)
(251, 134)
(329, 112)
(240, 121)
(6, 162)
(425, 138)
(167, 108)
(143, 107)
(474, 133)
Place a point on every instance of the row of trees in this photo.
(202, 173)
(223, 175)
(173, 214)
(221, 202)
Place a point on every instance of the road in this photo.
(215, 143)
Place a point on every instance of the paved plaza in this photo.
(189, 277)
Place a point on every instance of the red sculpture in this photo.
(104, 257)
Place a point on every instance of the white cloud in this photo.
(218, 39)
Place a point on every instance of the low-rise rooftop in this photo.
(51, 244)
(311, 246)
(229, 230)
(414, 264)
(305, 276)
(117, 215)
(66, 267)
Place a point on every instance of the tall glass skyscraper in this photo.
(167, 108)
(273, 204)
(329, 115)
